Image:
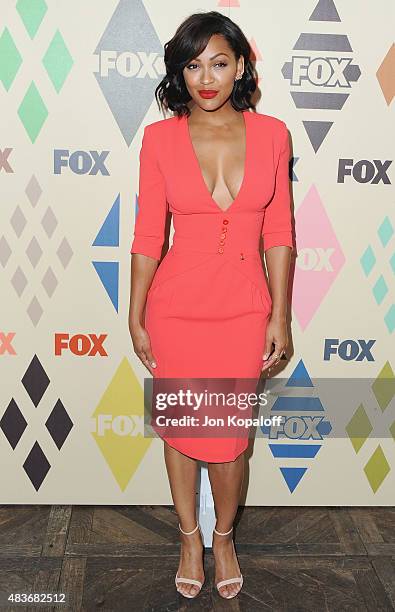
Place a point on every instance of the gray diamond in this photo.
(49, 282)
(18, 221)
(33, 191)
(13, 423)
(5, 251)
(64, 252)
(35, 311)
(36, 466)
(35, 380)
(49, 222)
(19, 281)
(59, 424)
(34, 252)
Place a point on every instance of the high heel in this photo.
(189, 580)
(238, 580)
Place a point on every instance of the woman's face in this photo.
(213, 72)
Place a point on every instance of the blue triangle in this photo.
(292, 476)
(299, 377)
(108, 234)
(108, 272)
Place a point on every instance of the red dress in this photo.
(208, 305)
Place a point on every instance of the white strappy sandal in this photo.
(238, 580)
(189, 580)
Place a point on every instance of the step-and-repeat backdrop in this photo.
(77, 88)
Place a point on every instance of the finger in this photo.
(150, 357)
(145, 361)
(274, 360)
(268, 348)
(278, 353)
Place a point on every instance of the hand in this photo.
(276, 333)
(142, 346)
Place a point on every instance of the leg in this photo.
(182, 472)
(226, 482)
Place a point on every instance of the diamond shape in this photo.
(376, 469)
(389, 318)
(10, 59)
(384, 386)
(49, 282)
(49, 222)
(36, 466)
(59, 424)
(385, 231)
(368, 260)
(32, 112)
(35, 380)
(5, 251)
(18, 221)
(13, 423)
(34, 252)
(57, 61)
(33, 191)
(64, 253)
(359, 428)
(380, 289)
(32, 14)
(19, 281)
(35, 311)
(392, 430)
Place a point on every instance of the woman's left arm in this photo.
(278, 245)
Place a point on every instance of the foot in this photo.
(191, 562)
(226, 564)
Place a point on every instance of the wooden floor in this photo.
(125, 558)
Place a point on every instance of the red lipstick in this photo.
(207, 93)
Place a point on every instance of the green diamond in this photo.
(384, 386)
(10, 59)
(368, 260)
(389, 318)
(32, 13)
(380, 289)
(359, 428)
(32, 112)
(57, 61)
(392, 430)
(385, 231)
(376, 469)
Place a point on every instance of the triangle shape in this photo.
(299, 377)
(317, 132)
(108, 234)
(108, 272)
(292, 476)
(325, 10)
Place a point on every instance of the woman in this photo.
(207, 311)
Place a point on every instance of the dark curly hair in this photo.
(190, 39)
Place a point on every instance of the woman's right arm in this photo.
(147, 244)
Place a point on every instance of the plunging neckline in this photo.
(199, 171)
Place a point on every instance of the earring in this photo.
(238, 78)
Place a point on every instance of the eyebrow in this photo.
(213, 56)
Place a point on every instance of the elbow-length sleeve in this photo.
(277, 223)
(152, 205)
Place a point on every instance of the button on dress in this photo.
(208, 305)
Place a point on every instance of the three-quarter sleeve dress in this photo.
(208, 305)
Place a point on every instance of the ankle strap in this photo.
(223, 534)
(188, 532)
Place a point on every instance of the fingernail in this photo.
(266, 355)
(153, 364)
